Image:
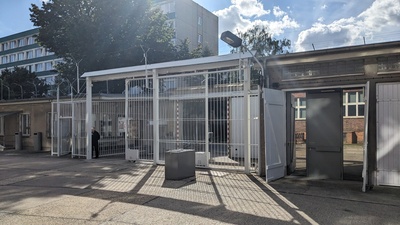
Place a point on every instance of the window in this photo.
(335, 68)
(4, 46)
(38, 52)
(29, 54)
(12, 44)
(21, 42)
(13, 58)
(2, 125)
(25, 124)
(48, 66)
(200, 38)
(200, 21)
(387, 64)
(30, 40)
(300, 106)
(39, 67)
(4, 60)
(20, 56)
(353, 104)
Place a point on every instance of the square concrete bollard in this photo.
(179, 164)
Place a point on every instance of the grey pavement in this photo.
(36, 188)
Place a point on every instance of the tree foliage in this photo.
(258, 39)
(182, 51)
(100, 34)
(13, 81)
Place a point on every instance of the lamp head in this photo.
(231, 39)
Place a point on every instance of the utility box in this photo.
(202, 159)
(179, 164)
(37, 141)
(18, 141)
(132, 154)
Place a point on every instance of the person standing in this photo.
(95, 142)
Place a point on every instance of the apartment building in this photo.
(22, 50)
(191, 21)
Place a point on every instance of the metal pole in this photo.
(77, 75)
(89, 118)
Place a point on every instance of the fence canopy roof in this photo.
(172, 64)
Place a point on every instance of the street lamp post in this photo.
(234, 41)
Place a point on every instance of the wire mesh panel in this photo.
(107, 116)
(182, 122)
(140, 118)
(79, 135)
(62, 128)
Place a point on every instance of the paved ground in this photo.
(36, 188)
(352, 161)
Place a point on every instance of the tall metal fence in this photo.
(214, 112)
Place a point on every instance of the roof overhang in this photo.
(172, 64)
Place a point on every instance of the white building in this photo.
(191, 21)
(22, 50)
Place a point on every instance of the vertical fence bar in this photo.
(88, 118)
(156, 117)
(246, 124)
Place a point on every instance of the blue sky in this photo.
(322, 23)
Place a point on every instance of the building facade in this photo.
(191, 21)
(343, 95)
(22, 50)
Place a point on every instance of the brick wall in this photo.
(353, 130)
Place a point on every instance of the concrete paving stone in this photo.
(76, 182)
(14, 198)
(152, 215)
(14, 219)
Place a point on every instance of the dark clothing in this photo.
(95, 143)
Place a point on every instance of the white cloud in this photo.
(321, 19)
(250, 8)
(382, 15)
(278, 12)
(243, 14)
(324, 6)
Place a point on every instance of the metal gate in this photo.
(388, 139)
(62, 128)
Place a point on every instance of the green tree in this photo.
(99, 34)
(13, 81)
(258, 39)
(182, 51)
